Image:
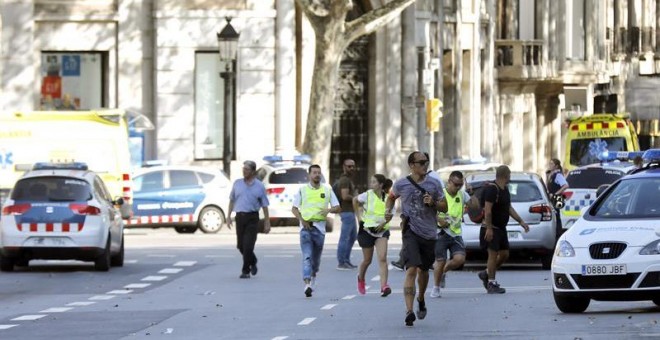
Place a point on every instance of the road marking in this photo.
(137, 285)
(28, 317)
(102, 297)
(279, 256)
(81, 303)
(154, 278)
(306, 321)
(348, 297)
(170, 271)
(10, 326)
(185, 263)
(376, 278)
(120, 291)
(161, 255)
(224, 256)
(280, 338)
(56, 310)
(328, 307)
(130, 261)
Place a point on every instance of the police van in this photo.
(98, 138)
(592, 135)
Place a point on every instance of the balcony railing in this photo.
(522, 59)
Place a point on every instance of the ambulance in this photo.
(591, 136)
(98, 138)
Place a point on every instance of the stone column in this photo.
(20, 85)
(285, 77)
(488, 85)
(455, 143)
(408, 82)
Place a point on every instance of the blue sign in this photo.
(71, 66)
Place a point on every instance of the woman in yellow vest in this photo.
(374, 230)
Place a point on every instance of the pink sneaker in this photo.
(385, 290)
(361, 287)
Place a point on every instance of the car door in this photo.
(111, 214)
(182, 195)
(149, 189)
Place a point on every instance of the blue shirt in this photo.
(422, 218)
(248, 197)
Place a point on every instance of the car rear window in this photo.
(520, 191)
(51, 189)
(592, 178)
(288, 176)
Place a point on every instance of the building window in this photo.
(72, 80)
(209, 106)
(575, 30)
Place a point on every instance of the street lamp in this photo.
(227, 49)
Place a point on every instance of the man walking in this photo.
(344, 189)
(248, 195)
(493, 236)
(421, 200)
(311, 205)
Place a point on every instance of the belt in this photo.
(246, 213)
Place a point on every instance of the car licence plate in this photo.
(514, 235)
(604, 269)
(48, 241)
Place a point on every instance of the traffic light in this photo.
(433, 114)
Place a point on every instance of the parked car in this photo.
(467, 169)
(283, 179)
(583, 183)
(612, 252)
(531, 202)
(61, 211)
(185, 198)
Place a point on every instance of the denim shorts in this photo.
(445, 242)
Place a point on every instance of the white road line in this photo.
(81, 303)
(120, 291)
(7, 326)
(279, 256)
(56, 310)
(185, 263)
(306, 321)
(170, 271)
(137, 285)
(348, 297)
(161, 255)
(102, 297)
(130, 261)
(328, 307)
(376, 278)
(280, 338)
(224, 256)
(28, 317)
(154, 278)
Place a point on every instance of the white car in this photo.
(283, 179)
(612, 252)
(185, 198)
(61, 211)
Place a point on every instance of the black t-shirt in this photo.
(501, 200)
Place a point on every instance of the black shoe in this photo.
(410, 318)
(421, 312)
(397, 265)
(253, 270)
(351, 265)
(484, 278)
(494, 288)
(245, 276)
(308, 290)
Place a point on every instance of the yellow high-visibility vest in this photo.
(312, 201)
(455, 207)
(374, 211)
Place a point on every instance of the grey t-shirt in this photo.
(423, 220)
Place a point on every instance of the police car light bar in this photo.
(60, 166)
(607, 156)
(651, 156)
(295, 158)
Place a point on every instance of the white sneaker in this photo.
(435, 293)
(308, 290)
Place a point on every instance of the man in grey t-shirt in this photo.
(420, 203)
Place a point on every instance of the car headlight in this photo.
(564, 249)
(652, 248)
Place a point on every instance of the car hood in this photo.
(633, 232)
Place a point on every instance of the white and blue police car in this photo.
(61, 211)
(612, 252)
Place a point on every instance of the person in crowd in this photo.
(493, 236)
(421, 199)
(556, 186)
(247, 196)
(311, 205)
(374, 231)
(344, 189)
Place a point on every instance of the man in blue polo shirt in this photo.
(248, 195)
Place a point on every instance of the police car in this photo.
(585, 180)
(612, 252)
(186, 198)
(283, 177)
(61, 211)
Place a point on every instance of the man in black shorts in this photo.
(493, 236)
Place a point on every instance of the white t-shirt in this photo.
(297, 201)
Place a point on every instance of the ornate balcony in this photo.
(522, 59)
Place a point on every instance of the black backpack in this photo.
(476, 212)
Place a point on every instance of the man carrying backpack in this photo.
(493, 236)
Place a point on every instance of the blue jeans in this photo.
(347, 237)
(311, 244)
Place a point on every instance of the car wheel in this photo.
(571, 304)
(657, 302)
(546, 261)
(211, 220)
(185, 230)
(329, 224)
(118, 260)
(102, 263)
(6, 264)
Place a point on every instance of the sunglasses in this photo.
(422, 162)
(458, 185)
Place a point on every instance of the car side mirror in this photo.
(118, 201)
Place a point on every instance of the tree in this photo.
(333, 35)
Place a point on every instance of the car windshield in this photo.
(586, 151)
(521, 191)
(592, 178)
(289, 176)
(51, 189)
(631, 198)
